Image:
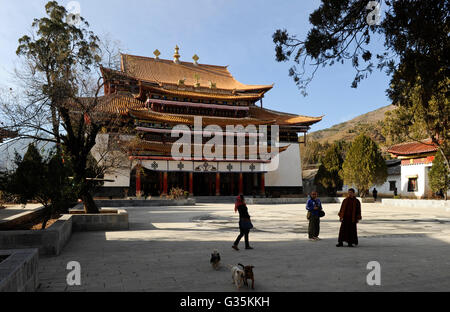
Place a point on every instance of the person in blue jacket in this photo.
(314, 206)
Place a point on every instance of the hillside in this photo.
(350, 129)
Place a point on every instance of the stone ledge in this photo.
(21, 218)
(49, 241)
(416, 203)
(108, 220)
(133, 202)
(19, 272)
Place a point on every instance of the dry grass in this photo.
(346, 130)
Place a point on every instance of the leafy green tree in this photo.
(364, 165)
(414, 55)
(328, 175)
(439, 176)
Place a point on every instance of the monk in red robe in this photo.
(349, 215)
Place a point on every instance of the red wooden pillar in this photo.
(164, 183)
(217, 184)
(138, 181)
(191, 183)
(263, 182)
(241, 183)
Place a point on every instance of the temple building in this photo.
(153, 96)
(416, 160)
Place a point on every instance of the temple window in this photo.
(412, 185)
(392, 185)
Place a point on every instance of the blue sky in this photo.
(221, 32)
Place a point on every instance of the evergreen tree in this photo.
(439, 175)
(328, 175)
(29, 177)
(364, 166)
(45, 180)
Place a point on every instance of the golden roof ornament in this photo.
(197, 80)
(212, 85)
(156, 53)
(195, 58)
(176, 55)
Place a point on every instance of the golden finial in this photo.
(156, 53)
(195, 58)
(176, 55)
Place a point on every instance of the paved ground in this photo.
(168, 249)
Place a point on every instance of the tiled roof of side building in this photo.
(166, 71)
(413, 148)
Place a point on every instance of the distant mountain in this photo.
(369, 122)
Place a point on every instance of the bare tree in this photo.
(59, 98)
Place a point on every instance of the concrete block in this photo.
(49, 241)
(111, 221)
(19, 272)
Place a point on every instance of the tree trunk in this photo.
(89, 204)
(44, 223)
(47, 216)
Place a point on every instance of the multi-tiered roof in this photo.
(161, 93)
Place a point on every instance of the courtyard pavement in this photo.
(168, 249)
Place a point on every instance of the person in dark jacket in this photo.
(349, 215)
(244, 222)
(375, 194)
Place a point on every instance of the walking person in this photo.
(349, 215)
(375, 194)
(314, 207)
(245, 223)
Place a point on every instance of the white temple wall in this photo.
(289, 172)
(117, 163)
(419, 170)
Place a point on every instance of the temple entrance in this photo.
(149, 183)
(229, 184)
(204, 183)
(252, 183)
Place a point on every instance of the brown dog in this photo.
(248, 271)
